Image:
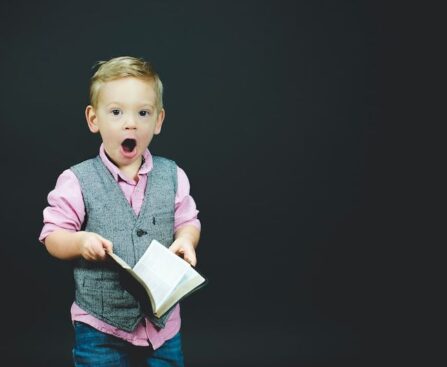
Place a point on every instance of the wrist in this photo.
(79, 242)
(189, 234)
(184, 237)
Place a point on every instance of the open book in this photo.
(166, 277)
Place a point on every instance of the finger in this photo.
(100, 253)
(174, 247)
(177, 250)
(106, 244)
(94, 254)
(190, 257)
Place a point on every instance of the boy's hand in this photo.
(94, 247)
(184, 248)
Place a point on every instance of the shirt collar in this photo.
(145, 168)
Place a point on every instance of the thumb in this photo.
(107, 245)
(174, 247)
(190, 257)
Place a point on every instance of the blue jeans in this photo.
(94, 348)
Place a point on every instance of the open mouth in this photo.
(129, 145)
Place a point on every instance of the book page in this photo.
(190, 280)
(161, 270)
(127, 267)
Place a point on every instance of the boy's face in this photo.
(127, 119)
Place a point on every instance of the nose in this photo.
(130, 122)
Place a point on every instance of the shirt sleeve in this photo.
(65, 208)
(185, 206)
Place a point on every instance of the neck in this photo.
(131, 170)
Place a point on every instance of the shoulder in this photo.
(164, 164)
(166, 169)
(66, 190)
(88, 173)
(157, 160)
(67, 179)
(174, 168)
(87, 164)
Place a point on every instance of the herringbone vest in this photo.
(101, 289)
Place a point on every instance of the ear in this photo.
(159, 123)
(92, 119)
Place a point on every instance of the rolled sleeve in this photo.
(185, 207)
(65, 208)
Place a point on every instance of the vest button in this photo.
(141, 232)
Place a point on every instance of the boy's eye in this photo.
(115, 112)
(144, 113)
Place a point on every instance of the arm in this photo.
(187, 226)
(63, 219)
(186, 241)
(68, 245)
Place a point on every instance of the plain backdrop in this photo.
(280, 112)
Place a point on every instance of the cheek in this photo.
(109, 135)
(148, 129)
(147, 136)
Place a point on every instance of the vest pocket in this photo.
(117, 299)
(109, 299)
(163, 228)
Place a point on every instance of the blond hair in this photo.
(124, 67)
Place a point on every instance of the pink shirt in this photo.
(66, 211)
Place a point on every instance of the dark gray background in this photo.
(282, 114)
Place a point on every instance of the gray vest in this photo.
(101, 288)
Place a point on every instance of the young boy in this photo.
(118, 202)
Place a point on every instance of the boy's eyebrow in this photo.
(112, 103)
(147, 104)
(141, 105)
